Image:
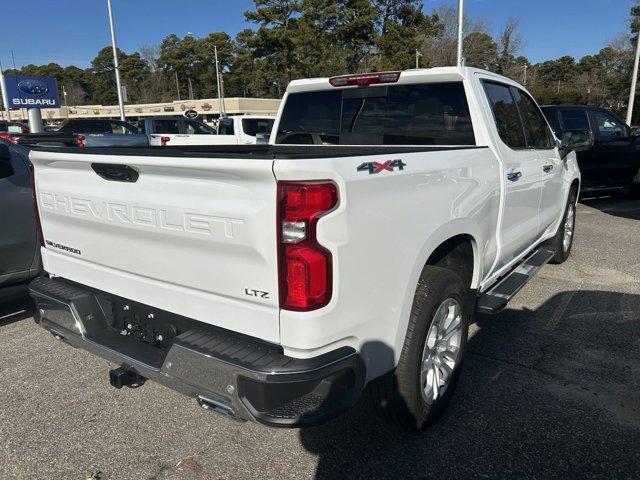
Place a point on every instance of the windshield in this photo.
(421, 114)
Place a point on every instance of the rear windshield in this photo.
(166, 126)
(421, 114)
(253, 126)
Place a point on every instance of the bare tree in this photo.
(440, 50)
(150, 55)
(509, 44)
(75, 94)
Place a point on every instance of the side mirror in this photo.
(575, 141)
(6, 169)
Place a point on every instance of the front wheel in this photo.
(563, 240)
(419, 389)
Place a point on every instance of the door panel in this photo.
(612, 160)
(17, 222)
(522, 174)
(540, 139)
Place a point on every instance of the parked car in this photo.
(614, 160)
(11, 131)
(104, 133)
(82, 133)
(273, 282)
(235, 130)
(19, 243)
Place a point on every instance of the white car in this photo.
(274, 282)
(234, 130)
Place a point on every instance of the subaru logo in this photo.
(33, 87)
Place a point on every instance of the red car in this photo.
(11, 131)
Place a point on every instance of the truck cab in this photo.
(613, 162)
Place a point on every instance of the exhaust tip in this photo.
(217, 407)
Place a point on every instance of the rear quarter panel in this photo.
(381, 235)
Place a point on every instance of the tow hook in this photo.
(123, 377)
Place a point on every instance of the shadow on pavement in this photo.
(548, 393)
(16, 310)
(618, 206)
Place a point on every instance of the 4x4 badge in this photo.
(376, 167)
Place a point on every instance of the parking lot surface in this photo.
(550, 389)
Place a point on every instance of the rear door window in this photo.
(506, 114)
(420, 114)
(166, 126)
(574, 119)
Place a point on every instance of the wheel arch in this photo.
(455, 245)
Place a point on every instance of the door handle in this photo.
(514, 176)
(547, 168)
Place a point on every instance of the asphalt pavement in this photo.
(550, 389)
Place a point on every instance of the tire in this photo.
(563, 240)
(405, 397)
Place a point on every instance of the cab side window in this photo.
(506, 114)
(536, 130)
(196, 128)
(608, 126)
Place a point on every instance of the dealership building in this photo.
(208, 109)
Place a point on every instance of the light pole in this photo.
(115, 61)
(220, 100)
(221, 107)
(418, 55)
(5, 97)
(634, 82)
(460, 30)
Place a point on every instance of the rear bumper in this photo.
(231, 374)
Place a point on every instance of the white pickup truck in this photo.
(274, 282)
(235, 130)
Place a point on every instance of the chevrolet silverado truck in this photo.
(235, 130)
(275, 282)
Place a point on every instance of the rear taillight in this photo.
(304, 264)
(81, 141)
(164, 141)
(364, 79)
(34, 195)
(5, 136)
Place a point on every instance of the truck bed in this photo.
(262, 151)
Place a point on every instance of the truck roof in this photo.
(417, 75)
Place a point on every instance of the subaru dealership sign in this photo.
(31, 92)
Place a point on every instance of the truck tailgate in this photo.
(193, 236)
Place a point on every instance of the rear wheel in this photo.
(416, 393)
(563, 240)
